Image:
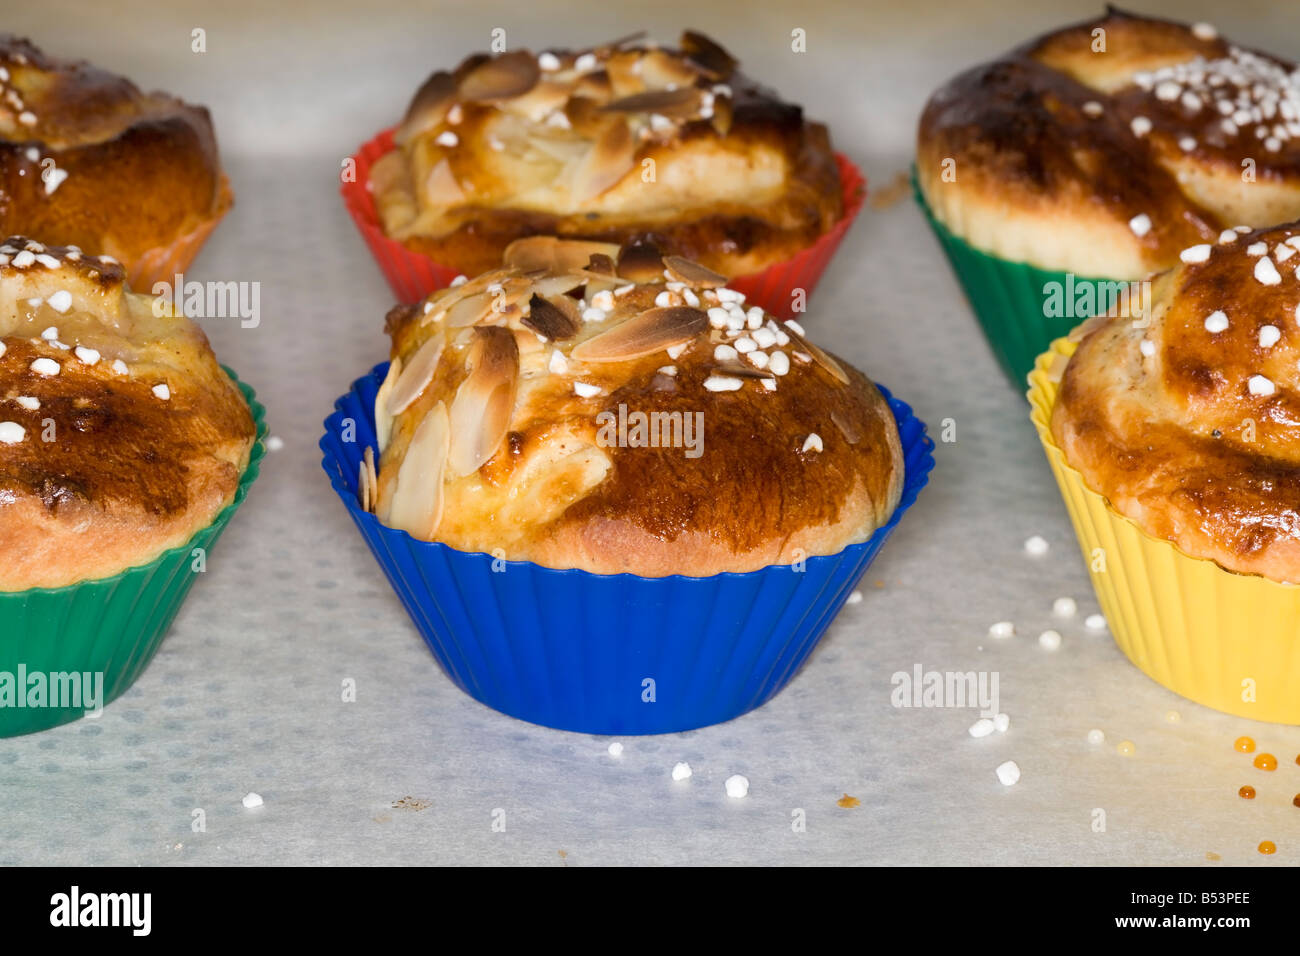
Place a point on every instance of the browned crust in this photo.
(735, 238)
(127, 475)
(1177, 441)
(142, 168)
(1024, 146)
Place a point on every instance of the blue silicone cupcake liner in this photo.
(608, 654)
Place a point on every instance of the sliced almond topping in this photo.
(548, 253)
(551, 320)
(708, 55)
(383, 418)
(738, 369)
(640, 260)
(683, 101)
(417, 375)
(371, 479)
(625, 73)
(441, 188)
(481, 410)
(692, 273)
(595, 86)
(470, 310)
(651, 331)
(416, 505)
(722, 115)
(661, 69)
(610, 159)
(539, 102)
(500, 78)
(428, 107)
(820, 357)
(848, 428)
(363, 487)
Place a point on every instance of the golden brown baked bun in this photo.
(498, 421)
(1108, 163)
(604, 144)
(1187, 417)
(120, 435)
(87, 159)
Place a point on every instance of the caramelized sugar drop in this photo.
(1267, 847)
(1247, 792)
(1266, 762)
(1247, 746)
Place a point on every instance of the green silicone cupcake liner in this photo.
(52, 638)
(1011, 299)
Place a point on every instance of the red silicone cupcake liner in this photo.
(413, 276)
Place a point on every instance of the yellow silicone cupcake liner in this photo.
(1226, 640)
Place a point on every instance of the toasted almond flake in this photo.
(383, 417)
(481, 411)
(556, 320)
(416, 375)
(417, 497)
(692, 273)
(650, 331)
(500, 78)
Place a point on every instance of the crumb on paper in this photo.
(411, 803)
(252, 800)
(847, 802)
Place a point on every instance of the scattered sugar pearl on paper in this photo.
(1064, 607)
(1001, 723)
(252, 800)
(274, 443)
(616, 749)
(1095, 622)
(1050, 640)
(681, 771)
(737, 786)
(1036, 545)
(981, 728)
(1002, 630)
(1096, 737)
(1008, 773)
(854, 598)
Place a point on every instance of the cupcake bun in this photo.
(87, 159)
(499, 428)
(1108, 163)
(1185, 417)
(604, 144)
(120, 435)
